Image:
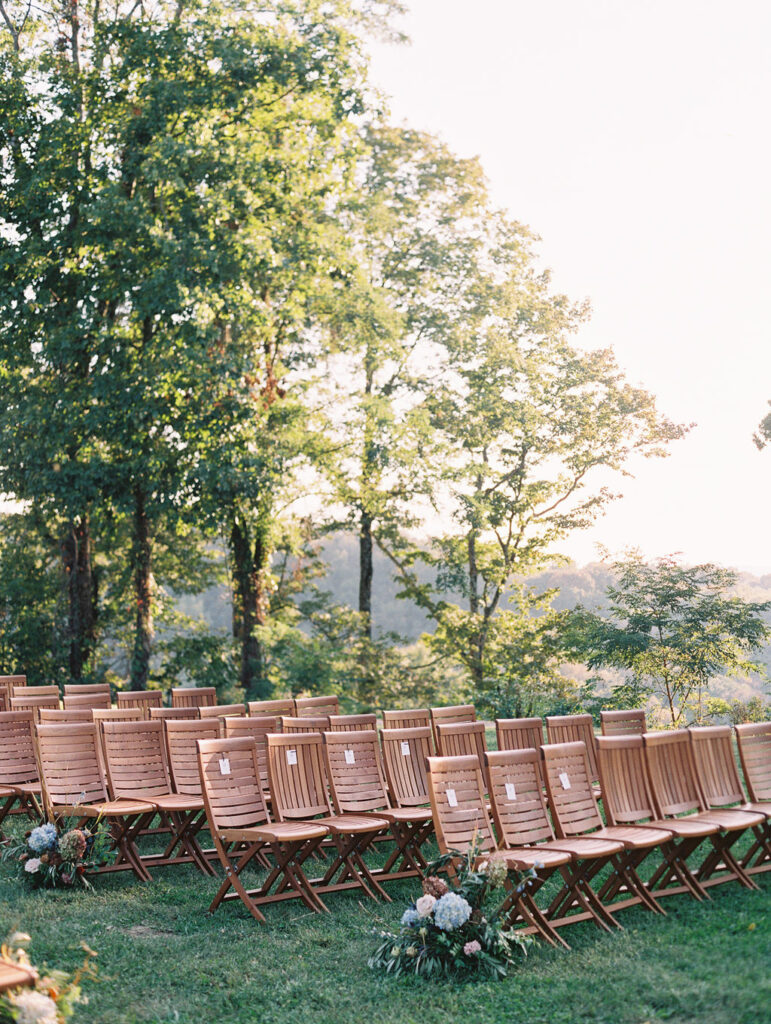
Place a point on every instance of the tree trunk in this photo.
(476, 638)
(365, 574)
(250, 607)
(81, 593)
(143, 593)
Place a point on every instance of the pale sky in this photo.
(634, 137)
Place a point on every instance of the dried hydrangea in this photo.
(496, 871)
(436, 887)
(72, 845)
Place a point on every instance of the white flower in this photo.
(425, 905)
(32, 864)
(34, 1008)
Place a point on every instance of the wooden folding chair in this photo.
(11, 681)
(177, 714)
(298, 787)
(721, 788)
(35, 703)
(576, 729)
(754, 742)
(137, 767)
(51, 716)
(521, 819)
(404, 756)
(358, 786)
(299, 725)
(73, 781)
(127, 714)
(627, 800)
(193, 696)
(142, 699)
(352, 723)
(316, 707)
(7, 684)
(86, 701)
(520, 734)
(257, 728)
(182, 735)
(568, 775)
(222, 711)
(242, 829)
(414, 718)
(456, 790)
(272, 708)
(450, 715)
(676, 792)
(623, 723)
(459, 739)
(19, 776)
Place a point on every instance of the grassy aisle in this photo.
(163, 959)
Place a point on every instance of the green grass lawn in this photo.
(162, 958)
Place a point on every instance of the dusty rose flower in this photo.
(425, 905)
(436, 887)
(472, 948)
(32, 864)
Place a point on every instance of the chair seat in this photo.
(277, 832)
(405, 814)
(32, 788)
(758, 808)
(587, 847)
(176, 802)
(734, 820)
(8, 791)
(108, 808)
(635, 837)
(692, 827)
(523, 858)
(350, 824)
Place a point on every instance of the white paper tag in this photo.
(349, 757)
(224, 766)
(291, 757)
(452, 799)
(405, 748)
(511, 793)
(565, 780)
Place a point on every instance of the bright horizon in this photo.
(634, 139)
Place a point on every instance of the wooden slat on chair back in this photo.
(568, 778)
(672, 773)
(272, 708)
(35, 704)
(78, 689)
(414, 718)
(456, 790)
(178, 714)
(12, 681)
(354, 771)
(142, 699)
(516, 792)
(754, 739)
(451, 715)
(87, 701)
(520, 734)
(257, 728)
(193, 696)
(297, 777)
(222, 711)
(136, 758)
(5, 697)
(51, 716)
(181, 744)
(315, 707)
(230, 781)
(18, 763)
(460, 739)
(352, 723)
(626, 792)
(575, 729)
(713, 754)
(404, 754)
(71, 763)
(35, 691)
(318, 724)
(623, 723)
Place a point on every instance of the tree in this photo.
(673, 628)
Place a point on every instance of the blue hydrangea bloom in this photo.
(42, 838)
(451, 911)
(410, 917)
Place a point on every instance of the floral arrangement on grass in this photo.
(52, 997)
(54, 856)
(458, 931)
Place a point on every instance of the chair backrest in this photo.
(89, 701)
(459, 739)
(71, 764)
(117, 715)
(78, 689)
(456, 791)
(230, 783)
(182, 737)
(35, 704)
(315, 707)
(223, 711)
(626, 791)
(319, 724)
(516, 794)
(272, 708)
(257, 728)
(568, 777)
(672, 773)
(354, 771)
(352, 723)
(414, 718)
(18, 762)
(12, 681)
(404, 756)
(754, 740)
(193, 696)
(5, 697)
(575, 729)
(298, 784)
(22, 690)
(450, 715)
(136, 758)
(142, 699)
(520, 734)
(177, 714)
(623, 723)
(51, 715)
(713, 755)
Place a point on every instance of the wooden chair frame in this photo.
(257, 728)
(452, 714)
(19, 772)
(576, 729)
(623, 723)
(520, 734)
(459, 739)
(405, 753)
